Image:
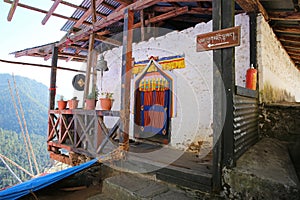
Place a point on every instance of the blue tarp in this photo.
(38, 183)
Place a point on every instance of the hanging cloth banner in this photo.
(167, 63)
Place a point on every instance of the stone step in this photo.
(129, 186)
(100, 197)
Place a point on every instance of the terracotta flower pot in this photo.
(62, 105)
(73, 104)
(90, 104)
(106, 103)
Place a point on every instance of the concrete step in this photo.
(129, 186)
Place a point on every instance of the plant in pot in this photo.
(61, 103)
(106, 100)
(73, 103)
(91, 100)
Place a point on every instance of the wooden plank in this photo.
(45, 12)
(285, 16)
(110, 19)
(108, 40)
(224, 38)
(38, 65)
(253, 6)
(125, 2)
(12, 10)
(287, 29)
(173, 13)
(51, 11)
(292, 39)
(87, 14)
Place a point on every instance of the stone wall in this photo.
(279, 79)
(282, 121)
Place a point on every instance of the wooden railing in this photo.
(80, 131)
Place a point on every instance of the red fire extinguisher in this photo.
(251, 78)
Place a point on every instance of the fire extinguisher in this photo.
(251, 78)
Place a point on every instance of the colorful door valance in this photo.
(167, 63)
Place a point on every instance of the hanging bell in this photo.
(102, 64)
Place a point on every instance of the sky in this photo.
(25, 30)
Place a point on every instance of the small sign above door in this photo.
(219, 39)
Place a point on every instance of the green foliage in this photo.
(93, 94)
(34, 99)
(12, 146)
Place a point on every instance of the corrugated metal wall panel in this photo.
(245, 124)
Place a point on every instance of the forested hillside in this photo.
(12, 146)
(34, 99)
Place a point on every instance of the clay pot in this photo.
(90, 104)
(62, 105)
(106, 103)
(73, 104)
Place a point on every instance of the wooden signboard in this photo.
(219, 39)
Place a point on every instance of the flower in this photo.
(107, 95)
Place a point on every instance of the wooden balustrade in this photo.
(80, 131)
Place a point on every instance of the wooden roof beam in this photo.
(110, 19)
(292, 39)
(285, 16)
(51, 11)
(87, 14)
(185, 0)
(287, 29)
(253, 6)
(45, 12)
(174, 13)
(125, 2)
(108, 40)
(12, 10)
(70, 4)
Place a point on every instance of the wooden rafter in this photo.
(44, 11)
(286, 16)
(287, 29)
(174, 13)
(125, 2)
(87, 14)
(289, 39)
(12, 10)
(110, 19)
(108, 40)
(51, 11)
(253, 6)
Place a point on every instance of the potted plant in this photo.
(61, 103)
(106, 100)
(73, 103)
(91, 100)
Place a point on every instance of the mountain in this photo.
(34, 100)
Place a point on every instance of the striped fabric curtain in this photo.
(154, 111)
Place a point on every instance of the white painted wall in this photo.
(275, 66)
(194, 93)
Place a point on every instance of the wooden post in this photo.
(142, 25)
(89, 63)
(94, 54)
(223, 88)
(125, 77)
(52, 89)
(228, 74)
